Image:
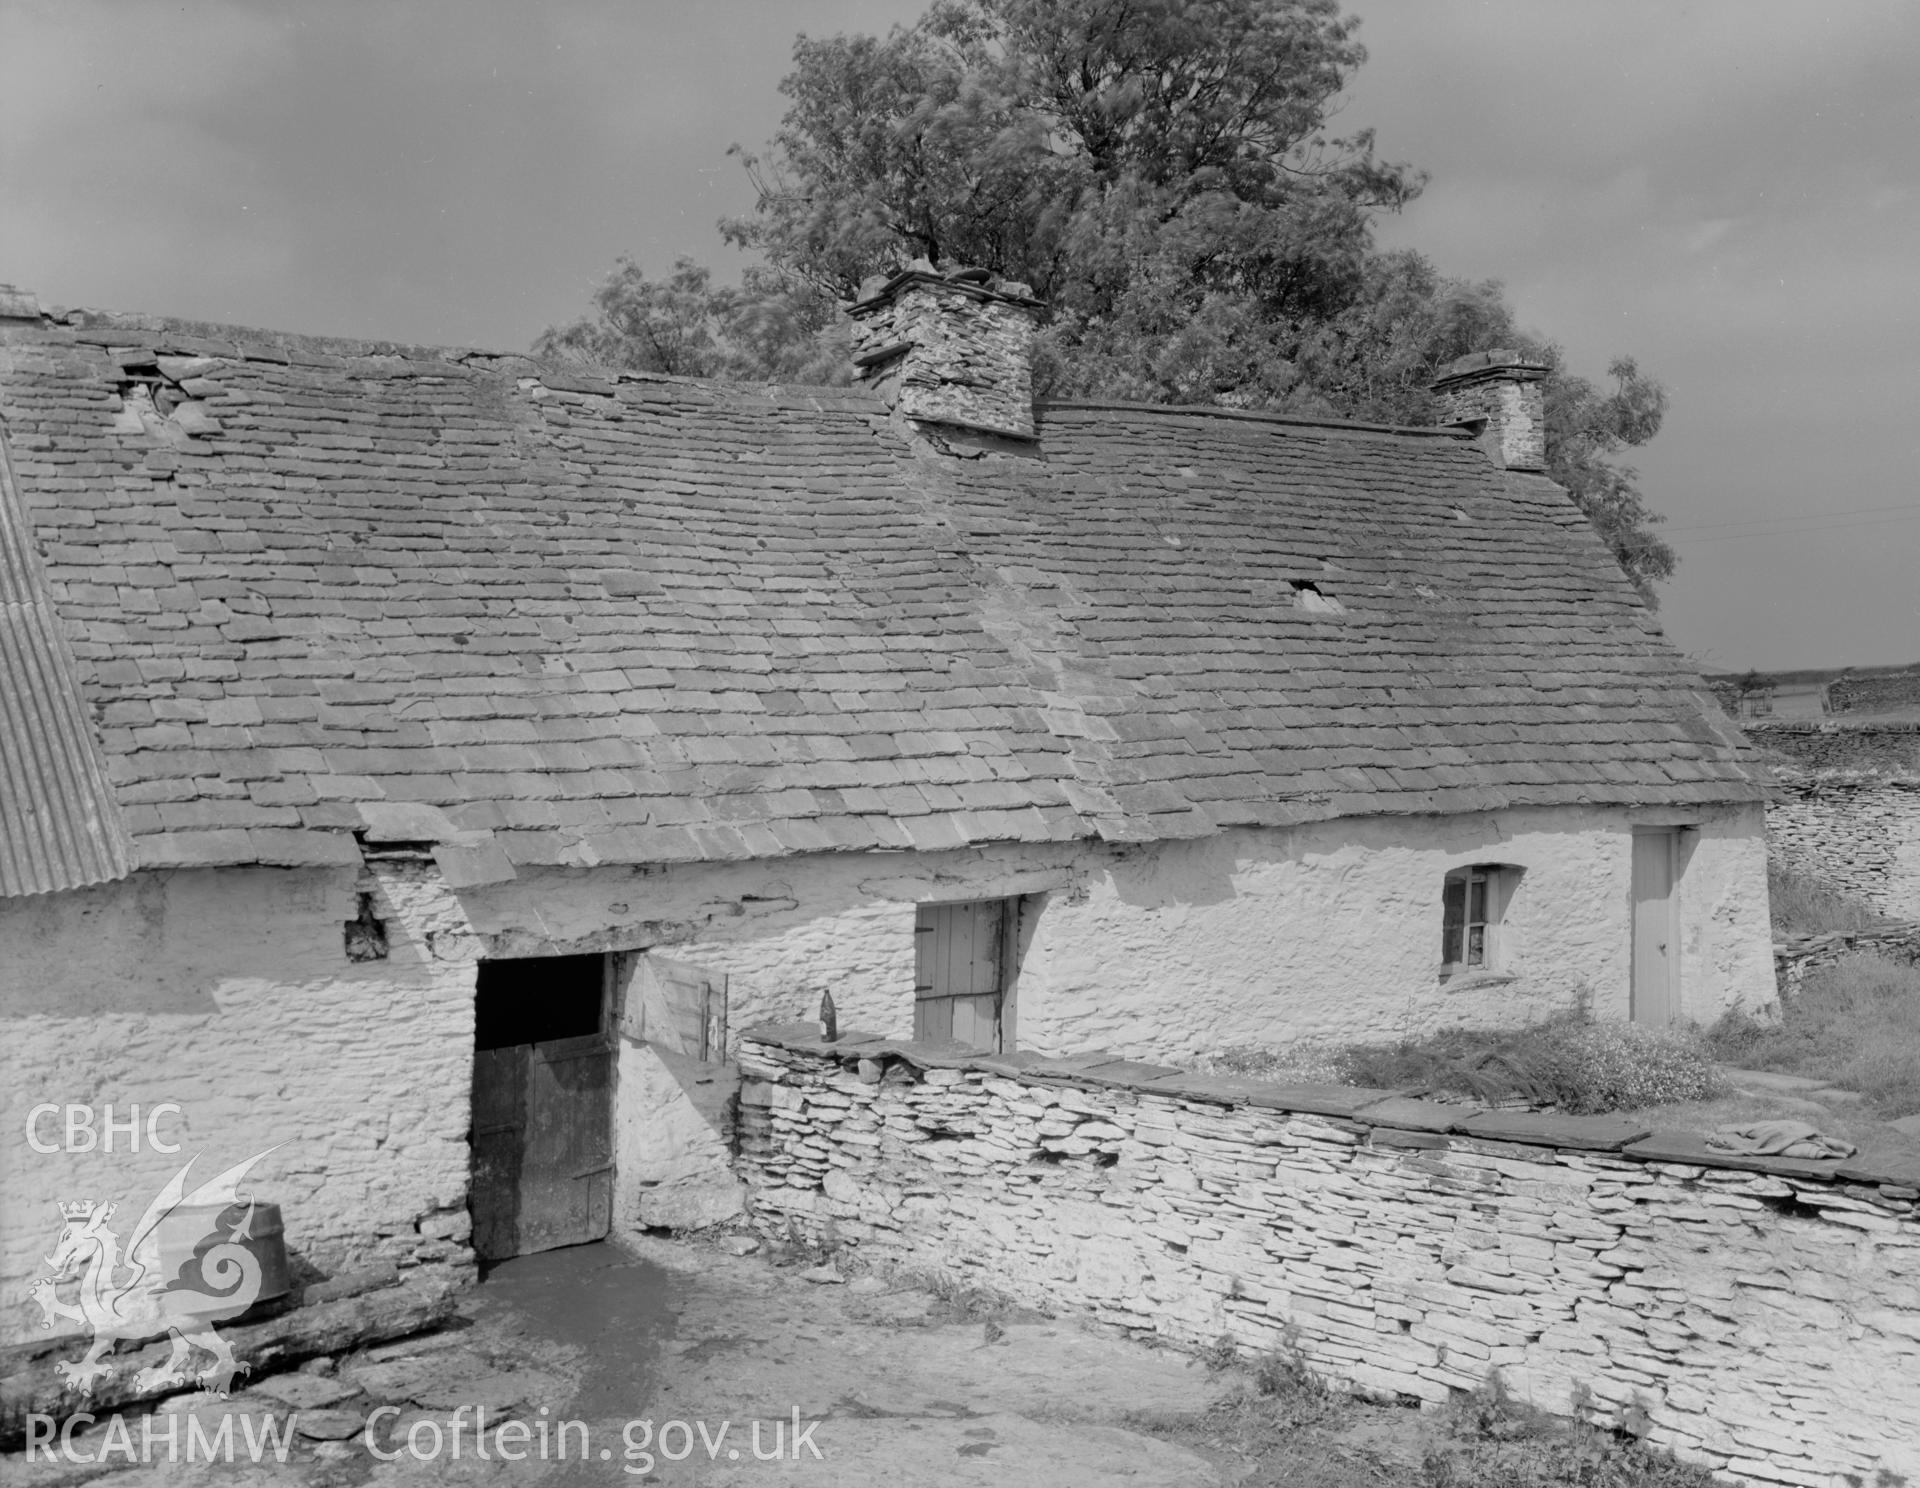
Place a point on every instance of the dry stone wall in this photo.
(1887, 748)
(1859, 832)
(1875, 690)
(1760, 1316)
(1796, 958)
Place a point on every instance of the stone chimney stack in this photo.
(1499, 395)
(950, 346)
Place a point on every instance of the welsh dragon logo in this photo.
(151, 1291)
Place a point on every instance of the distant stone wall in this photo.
(1885, 748)
(1795, 959)
(1859, 832)
(1882, 690)
(1760, 1316)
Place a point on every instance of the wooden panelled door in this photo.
(1656, 939)
(960, 970)
(542, 1105)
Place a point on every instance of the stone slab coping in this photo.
(1316, 1100)
(1386, 1111)
(1222, 1090)
(1892, 1167)
(1127, 1073)
(1417, 1115)
(1585, 1133)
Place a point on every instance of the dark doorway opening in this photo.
(537, 999)
(542, 1105)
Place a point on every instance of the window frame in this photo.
(1496, 883)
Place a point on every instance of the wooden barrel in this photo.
(192, 1230)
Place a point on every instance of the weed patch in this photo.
(1855, 1023)
(1490, 1441)
(1293, 1432)
(1804, 905)
(1569, 1063)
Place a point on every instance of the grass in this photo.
(1571, 1063)
(1284, 1428)
(1854, 1024)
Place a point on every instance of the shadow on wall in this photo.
(164, 943)
(1183, 875)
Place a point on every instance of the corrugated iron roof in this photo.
(59, 825)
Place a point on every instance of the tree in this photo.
(1162, 174)
(768, 327)
(1073, 144)
(1376, 361)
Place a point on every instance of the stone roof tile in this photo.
(651, 619)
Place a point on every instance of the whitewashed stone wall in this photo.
(1330, 930)
(228, 993)
(1763, 1322)
(1857, 831)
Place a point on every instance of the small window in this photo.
(1473, 902)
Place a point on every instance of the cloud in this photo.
(1723, 188)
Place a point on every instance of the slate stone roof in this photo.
(641, 619)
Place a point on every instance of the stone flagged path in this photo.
(899, 1388)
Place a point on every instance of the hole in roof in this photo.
(1307, 595)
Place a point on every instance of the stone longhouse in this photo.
(394, 738)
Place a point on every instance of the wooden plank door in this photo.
(959, 972)
(678, 1006)
(542, 1162)
(1656, 940)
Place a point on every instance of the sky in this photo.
(1727, 191)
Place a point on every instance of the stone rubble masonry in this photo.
(1866, 746)
(1759, 1316)
(1794, 958)
(950, 352)
(227, 993)
(1875, 690)
(1856, 830)
(1505, 389)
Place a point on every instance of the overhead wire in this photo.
(1816, 528)
(1857, 511)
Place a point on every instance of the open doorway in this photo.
(542, 1105)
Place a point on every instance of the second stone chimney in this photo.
(1499, 395)
(950, 346)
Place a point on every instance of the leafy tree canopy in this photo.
(1162, 172)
